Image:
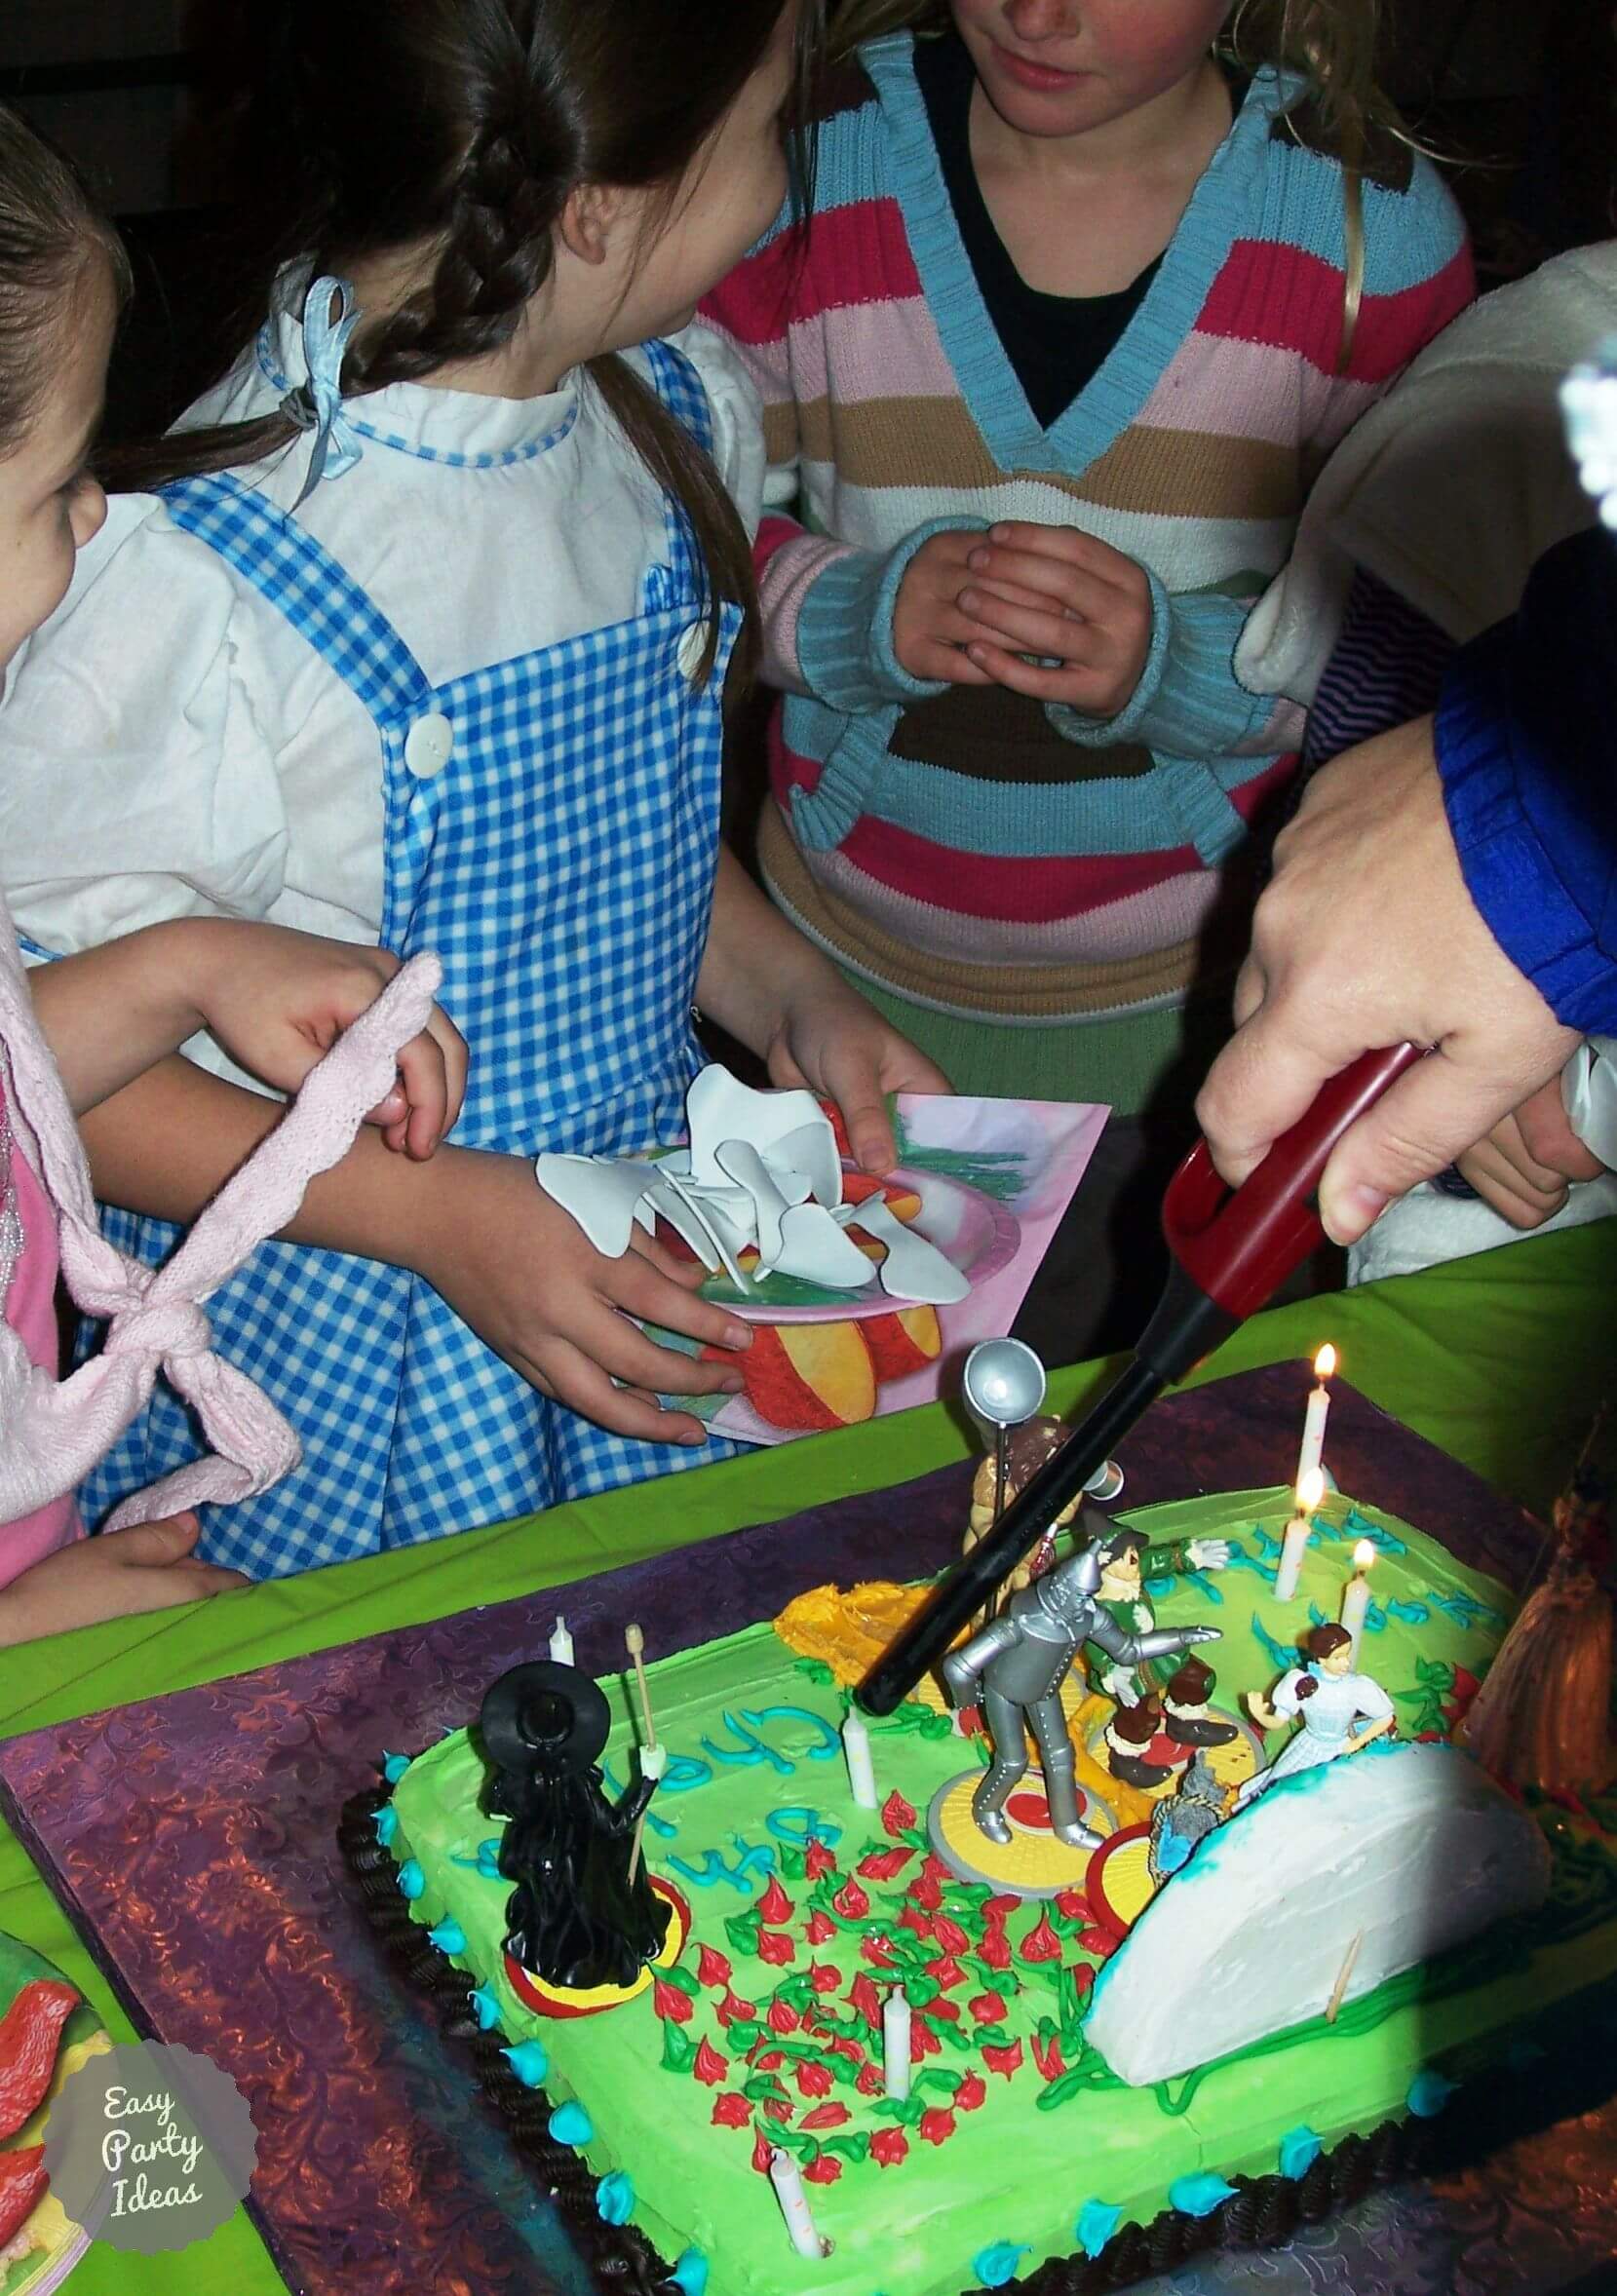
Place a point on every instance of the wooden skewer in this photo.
(1343, 1975)
(635, 1641)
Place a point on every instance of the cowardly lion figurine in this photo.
(1014, 1666)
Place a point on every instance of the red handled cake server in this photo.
(1232, 1249)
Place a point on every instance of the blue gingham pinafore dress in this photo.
(552, 829)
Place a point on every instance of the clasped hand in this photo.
(1045, 611)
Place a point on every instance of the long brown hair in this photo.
(50, 234)
(465, 125)
(1340, 113)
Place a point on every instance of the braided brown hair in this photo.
(465, 129)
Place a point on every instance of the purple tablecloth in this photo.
(191, 1838)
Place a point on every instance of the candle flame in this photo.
(1311, 1490)
(1364, 1554)
(1324, 1362)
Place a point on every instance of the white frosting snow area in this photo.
(763, 1171)
(1409, 1849)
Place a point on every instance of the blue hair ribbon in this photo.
(329, 317)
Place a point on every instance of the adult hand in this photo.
(278, 1000)
(524, 1275)
(148, 1567)
(929, 628)
(1367, 937)
(1068, 598)
(829, 1038)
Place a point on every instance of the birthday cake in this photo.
(877, 2049)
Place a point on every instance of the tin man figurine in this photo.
(1014, 1668)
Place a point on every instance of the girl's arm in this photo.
(475, 1225)
(276, 1000)
(776, 993)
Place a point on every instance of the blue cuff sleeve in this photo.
(845, 625)
(1526, 745)
(1189, 701)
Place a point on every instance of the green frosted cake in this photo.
(1125, 2044)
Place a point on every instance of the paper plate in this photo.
(974, 1232)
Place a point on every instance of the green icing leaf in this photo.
(855, 2147)
(762, 2085)
(816, 1670)
(742, 1930)
(793, 1864)
(935, 2077)
(678, 2053)
(681, 1979)
(1064, 2086)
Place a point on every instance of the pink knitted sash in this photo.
(52, 1432)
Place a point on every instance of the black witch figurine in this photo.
(583, 1913)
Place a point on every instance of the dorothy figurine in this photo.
(1329, 1698)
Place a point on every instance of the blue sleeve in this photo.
(1527, 743)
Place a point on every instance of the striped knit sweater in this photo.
(967, 848)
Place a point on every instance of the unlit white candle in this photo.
(794, 2205)
(561, 1644)
(1292, 1548)
(1356, 1595)
(894, 2043)
(862, 1775)
(1319, 1406)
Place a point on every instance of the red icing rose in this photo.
(1074, 1904)
(950, 1935)
(917, 1923)
(1041, 1943)
(923, 2042)
(896, 1813)
(888, 2147)
(712, 1967)
(869, 2082)
(813, 2077)
(926, 1890)
(845, 2045)
(668, 2002)
(767, 2060)
(1095, 1939)
(775, 1906)
(997, 1911)
(776, 1946)
(783, 2017)
(948, 2010)
(819, 1928)
(987, 2007)
(877, 1951)
(851, 1903)
(1083, 1977)
(731, 2010)
(779, 2108)
(826, 2170)
(945, 1970)
(823, 1978)
(732, 2110)
(710, 2066)
(818, 1859)
(831, 2115)
(995, 1950)
(761, 2153)
(936, 2125)
(865, 1998)
(1003, 2059)
(1046, 2055)
(969, 2092)
(883, 1865)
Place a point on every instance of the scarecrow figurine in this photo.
(584, 1913)
(1127, 1561)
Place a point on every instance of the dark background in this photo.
(146, 95)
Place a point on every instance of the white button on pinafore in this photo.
(429, 745)
(693, 645)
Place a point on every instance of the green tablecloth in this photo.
(1500, 1361)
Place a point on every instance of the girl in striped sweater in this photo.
(1088, 290)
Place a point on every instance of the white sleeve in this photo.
(1286, 1699)
(738, 417)
(137, 776)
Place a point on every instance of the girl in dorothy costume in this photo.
(420, 642)
(1330, 1696)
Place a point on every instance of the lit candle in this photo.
(561, 1644)
(894, 2043)
(1292, 1547)
(1319, 1405)
(1356, 1595)
(862, 1777)
(794, 2207)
